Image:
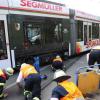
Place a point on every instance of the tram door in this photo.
(90, 31)
(5, 60)
(87, 32)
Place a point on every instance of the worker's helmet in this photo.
(9, 71)
(60, 75)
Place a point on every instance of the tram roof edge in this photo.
(82, 14)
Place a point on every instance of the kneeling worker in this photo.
(32, 81)
(65, 90)
(4, 75)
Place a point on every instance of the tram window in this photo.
(3, 49)
(57, 31)
(33, 33)
(53, 31)
(66, 31)
(90, 32)
(85, 34)
(95, 31)
(80, 31)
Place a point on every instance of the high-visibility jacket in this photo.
(2, 74)
(73, 92)
(27, 70)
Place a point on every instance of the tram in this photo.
(40, 28)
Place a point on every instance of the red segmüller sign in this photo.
(40, 5)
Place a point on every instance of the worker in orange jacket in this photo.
(32, 81)
(65, 90)
(4, 75)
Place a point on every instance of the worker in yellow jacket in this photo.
(32, 81)
(65, 90)
(4, 75)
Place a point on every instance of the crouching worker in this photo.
(65, 90)
(4, 75)
(57, 63)
(32, 81)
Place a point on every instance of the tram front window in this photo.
(3, 49)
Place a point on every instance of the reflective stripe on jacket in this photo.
(73, 92)
(27, 70)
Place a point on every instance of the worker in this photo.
(65, 90)
(94, 56)
(4, 75)
(32, 80)
(57, 63)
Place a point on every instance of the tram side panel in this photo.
(87, 27)
(34, 36)
(87, 35)
(33, 33)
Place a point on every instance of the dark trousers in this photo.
(33, 84)
(94, 57)
(2, 81)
